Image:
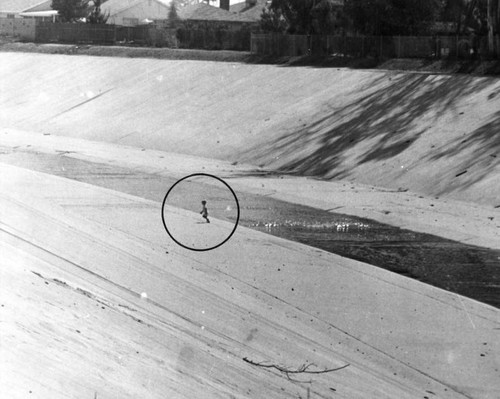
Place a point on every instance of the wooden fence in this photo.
(243, 40)
(23, 29)
(104, 34)
(370, 46)
(211, 39)
(75, 33)
(214, 39)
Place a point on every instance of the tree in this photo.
(392, 17)
(71, 10)
(493, 12)
(272, 20)
(365, 15)
(327, 17)
(301, 16)
(480, 16)
(173, 17)
(467, 15)
(96, 16)
(297, 13)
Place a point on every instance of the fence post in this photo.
(456, 46)
(380, 50)
(399, 47)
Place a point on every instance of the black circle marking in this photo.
(235, 224)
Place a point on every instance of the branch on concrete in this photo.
(304, 369)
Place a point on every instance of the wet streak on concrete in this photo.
(468, 270)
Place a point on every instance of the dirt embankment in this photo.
(478, 67)
(131, 51)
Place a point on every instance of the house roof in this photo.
(43, 14)
(204, 12)
(17, 6)
(254, 12)
(243, 6)
(249, 12)
(44, 6)
(116, 6)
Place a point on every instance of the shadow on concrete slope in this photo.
(483, 145)
(381, 125)
(380, 128)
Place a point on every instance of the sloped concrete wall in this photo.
(434, 134)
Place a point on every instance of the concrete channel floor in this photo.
(74, 251)
(466, 222)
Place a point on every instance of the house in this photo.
(140, 12)
(14, 8)
(202, 16)
(205, 12)
(250, 9)
(41, 12)
(12, 22)
(213, 28)
(135, 12)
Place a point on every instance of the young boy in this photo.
(204, 211)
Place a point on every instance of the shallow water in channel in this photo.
(468, 270)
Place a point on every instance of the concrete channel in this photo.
(468, 270)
